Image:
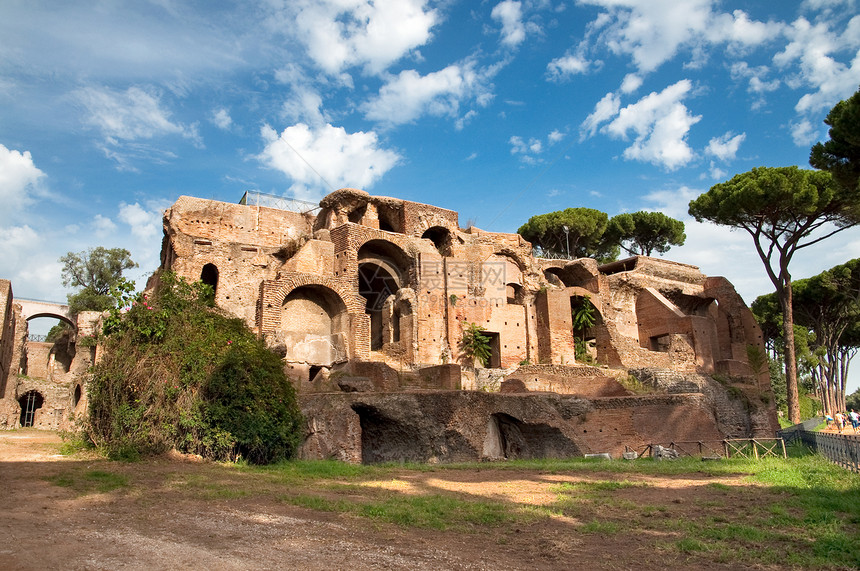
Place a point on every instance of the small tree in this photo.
(781, 209)
(476, 345)
(642, 233)
(95, 271)
(582, 319)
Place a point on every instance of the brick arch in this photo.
(515, 257)
(274, 292)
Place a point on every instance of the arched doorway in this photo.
(383, 269)
(209, 276)
(30, 402)
(376, 283)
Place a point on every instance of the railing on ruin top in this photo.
(255, 198)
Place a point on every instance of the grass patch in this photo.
(90, 482)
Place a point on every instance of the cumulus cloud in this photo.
(652, 32)
(812, 47)
(339, 34)
(605, 109)
(509, 14)
(326, 158)
(803, 133)
(221, 118)
(103, 226)
(726, 146)
(659, 123)
(409, 95)
(145, 223)
(528, 149)
(757, 77)
(20, 182)
(567, 65)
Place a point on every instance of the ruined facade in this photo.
(367, 299)
(41, 383)
(370, 296)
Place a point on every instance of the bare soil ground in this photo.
(167, 518)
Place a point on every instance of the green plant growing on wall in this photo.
(475, 344)
(583, 319)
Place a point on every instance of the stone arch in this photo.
(314, 325)
(30, 403)
(383, 269)
(514, 257)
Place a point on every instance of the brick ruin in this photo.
(366, 299)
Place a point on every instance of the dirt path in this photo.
(157, 523)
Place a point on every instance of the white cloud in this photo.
(409, 95)
(103, 226)
(631, 83)
(339, 34)
(130, 115)
(326, 158)
(510, 14)
(126, 118)
(520, 146)
(605, 109)
(715, 172)
(803, 133)
(527, 150)
(660, 123)
(304, 105)
(654, 31)
(725, 147)
(145, 223)
(813, 46)
(20, 182)
(221, 118)
(758, 84)
(567, 65)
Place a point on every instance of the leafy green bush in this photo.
(475, 344)
(178, 374)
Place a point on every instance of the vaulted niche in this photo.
(390, 216)
(358, 214)
(209, 276)
(441, 238)
(314, 323)
(382, 267)
(30, 402)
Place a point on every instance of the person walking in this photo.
(840, 421)
(855, 420)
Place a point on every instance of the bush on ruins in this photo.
(178, 374)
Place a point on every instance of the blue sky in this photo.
(500, 110)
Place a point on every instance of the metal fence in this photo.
(730, 448)
(841, 449)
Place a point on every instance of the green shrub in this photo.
(178, 374)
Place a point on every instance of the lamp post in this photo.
(566, 239)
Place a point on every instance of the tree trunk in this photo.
(791, 394)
